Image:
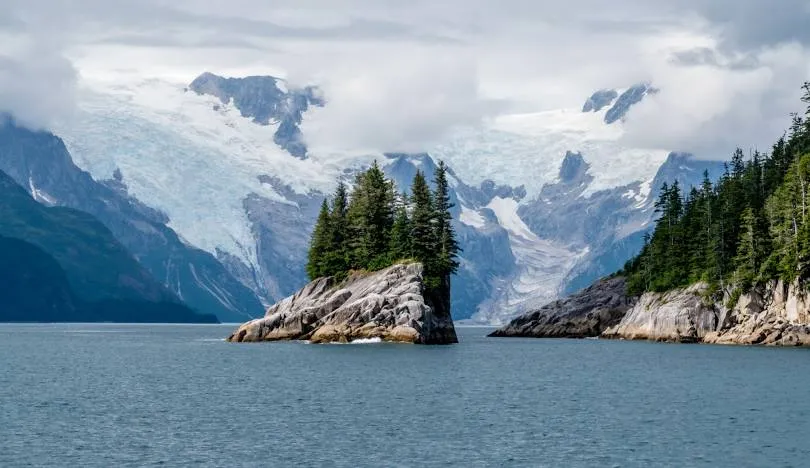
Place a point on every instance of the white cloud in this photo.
(709, 108)
(399, 74)
(402, 103)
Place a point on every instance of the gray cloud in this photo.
(37, 82)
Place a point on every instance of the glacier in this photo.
(229, 186)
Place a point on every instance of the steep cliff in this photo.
(392, 305)
(777, 314)
(681, 315)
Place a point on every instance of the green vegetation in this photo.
(374, 227)
(749, 227)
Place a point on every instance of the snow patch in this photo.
(542, 266)
(471, 218)
(40, 195)
(528, 149)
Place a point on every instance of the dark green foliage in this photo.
(401, 246)
(750, 226)
(424, 244)
(319, 245)
(445, 236)
(377, 227)
(370, 217)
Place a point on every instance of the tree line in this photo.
(374, 226)
(747, 228)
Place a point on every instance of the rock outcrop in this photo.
(681, 315)
(392, 304)
(776, 315)
(585, 314)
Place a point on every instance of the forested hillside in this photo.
(749, 227)
(374, 226)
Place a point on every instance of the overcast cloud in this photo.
(398, 75)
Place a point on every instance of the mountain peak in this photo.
(573, 167)
(632, 96)
(267, 101)
(600, 100)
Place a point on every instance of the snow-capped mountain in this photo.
(39, 162)
(542, 199)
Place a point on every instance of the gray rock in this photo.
(632, 96)
(681, 315)
(391, 305)
(265, 100)
(600, 100)
(776, 314)
(584, 314)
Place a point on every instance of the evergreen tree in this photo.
(423, 220)
(750, 254)
(371, 216)
(400, 247)
(447, 248)
(752, 225)
(336, 258)
(319, 244)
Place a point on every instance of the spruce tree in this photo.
(400, 246)
(447, 247)
(750, 253)
(423, 217)
(336, 258)
(371, 216)
(752, 225)
(319, 244)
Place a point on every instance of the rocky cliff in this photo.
(585, 314)
(391, 305)
(777, 314)
(681, 315)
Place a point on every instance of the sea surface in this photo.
(178, 395)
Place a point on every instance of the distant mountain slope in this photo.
(40, 162)
(35, 287)
(545, 200)
(71, 267)
(265, 99)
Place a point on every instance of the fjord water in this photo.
(144, 395)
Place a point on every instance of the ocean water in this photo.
(171, 395)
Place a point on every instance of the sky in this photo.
(400, 75)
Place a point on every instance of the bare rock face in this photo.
(680, 315)
(585, 314)
(392, 305)
(776, 315)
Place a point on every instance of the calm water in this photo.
(143, 395)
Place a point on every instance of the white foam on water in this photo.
(366, 341)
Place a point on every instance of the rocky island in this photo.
(380, 264)
(392, 305)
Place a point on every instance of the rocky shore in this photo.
(392, 304)
(777, 314)
(585, 314)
